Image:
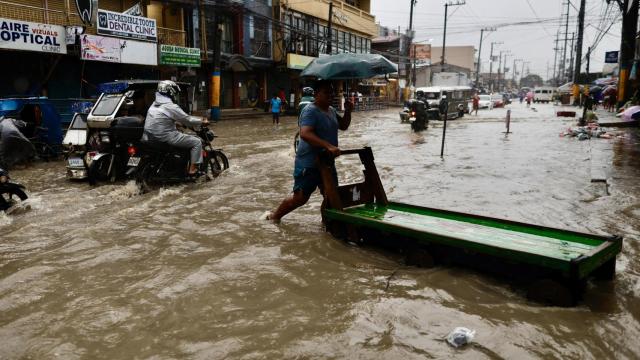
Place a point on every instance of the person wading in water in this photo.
(319, 124)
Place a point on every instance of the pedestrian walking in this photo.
(276, 104)
(319, 124)
(476, 103)
(529, 98)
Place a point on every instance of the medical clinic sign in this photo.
(127, 26)
(23, 35)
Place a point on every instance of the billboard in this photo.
(108, 49)
(126, 26)
(29, 36)
(179, 56)
(421, 52)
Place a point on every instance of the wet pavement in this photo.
(190, 272)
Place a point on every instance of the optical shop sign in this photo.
(127, 26)
(23, 35)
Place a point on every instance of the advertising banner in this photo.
(23, 35)
(179, 56)
(127, 26)
(611, 57)
(102, 48)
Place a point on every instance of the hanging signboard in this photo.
(179, 56)
(23, 35)
(127, 26)
(102, 48)
(87, 10)
(134, 10)
(611, 57)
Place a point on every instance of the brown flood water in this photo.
(190, 272)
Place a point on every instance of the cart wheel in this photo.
(606, 271)
(551, 292)
(420, 258)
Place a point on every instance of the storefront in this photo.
(30, 53)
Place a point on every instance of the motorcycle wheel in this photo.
(99, 170)
(217, 163)
(142, 177)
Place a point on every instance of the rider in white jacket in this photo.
(160, 124)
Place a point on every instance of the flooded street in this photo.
(191, 272)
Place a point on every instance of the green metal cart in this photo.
(554, 262)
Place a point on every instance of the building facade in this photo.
(87, 56)
(301, 34)
(264, 45)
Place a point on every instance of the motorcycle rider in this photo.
(160, 124)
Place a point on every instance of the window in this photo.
(252, 29)
(107, 105)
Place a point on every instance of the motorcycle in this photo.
(8, 190)
(156, 164)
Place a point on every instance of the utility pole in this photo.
(522, 72)
(513, 80)
(491, 64)
(480, 53)
(571, 73)
(329, 30)
(504, 70)
(413, 73)
(444, 37)
(408, 48)
(627, 47)
(555, 59)
(215, 75)
(499, 69)
(578, 64)
(564, 51)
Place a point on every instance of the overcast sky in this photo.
(531, 42)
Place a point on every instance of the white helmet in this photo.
(168, 88)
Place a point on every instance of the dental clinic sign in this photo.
(126, 26)
(23, 35)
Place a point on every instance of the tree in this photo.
(531, 80)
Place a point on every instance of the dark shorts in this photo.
(276, 115)
(308, 179)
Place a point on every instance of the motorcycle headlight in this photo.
(210, 135)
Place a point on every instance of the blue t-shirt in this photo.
(275, 105)
(324, 124)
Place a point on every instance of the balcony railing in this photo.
(172, 36)
(38, 14)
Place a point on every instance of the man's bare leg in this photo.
(297, 199)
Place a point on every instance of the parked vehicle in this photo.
(543, 94)
(457, 96)
(75, 145)
(497, 101)
(156, 164)
(43, 124)
(11, 194)
(485, 102)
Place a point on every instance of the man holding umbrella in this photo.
(319, 124)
